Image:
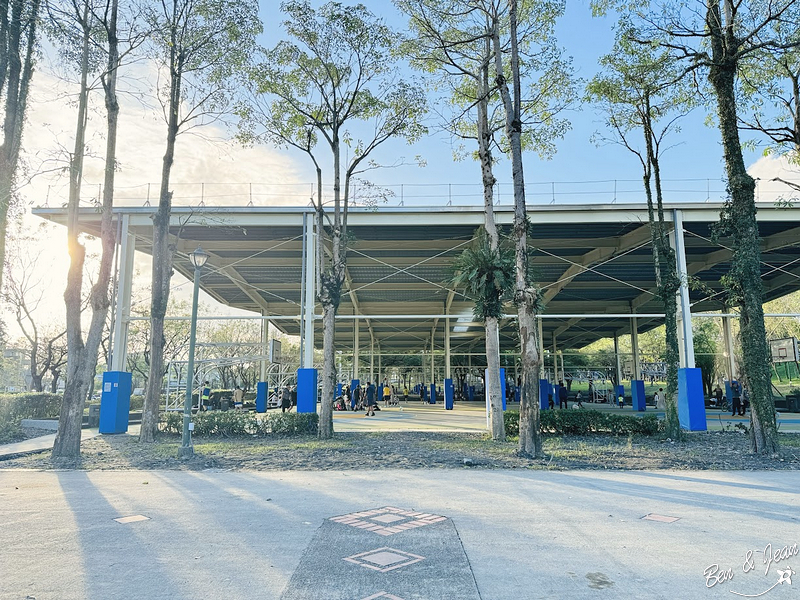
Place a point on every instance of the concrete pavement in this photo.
(527, 535)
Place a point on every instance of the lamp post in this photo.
(198, 258)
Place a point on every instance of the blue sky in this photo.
(582, 171)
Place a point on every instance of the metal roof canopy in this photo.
(589, 260)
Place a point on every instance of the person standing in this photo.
(387, 394)
(371, 401)
(205, 395)
(563, 396)
(286, 399)
(238, 397)
(659, 398)
(736, 398)
(355, 398)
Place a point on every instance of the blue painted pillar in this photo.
(502, 385)
(433, 394)
(544, 392)
(516, 393)
(691, 403)
(339, 388)
(729, 393)
(449, 392)
(306, 390)
(115, 402)
(261, 396)
(472, 392)
(637, 394)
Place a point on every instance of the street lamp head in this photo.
(198, 258)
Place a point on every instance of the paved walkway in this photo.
(73, 535)
(38, 444)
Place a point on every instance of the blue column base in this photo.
(544, 393)
(449, 392)
(115, 402)
(261, 397)
(637, 393)
(306, 390)
(472, 392)
(432, 398)
(502, 384)
(691, 404)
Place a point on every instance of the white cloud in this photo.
(766, 170)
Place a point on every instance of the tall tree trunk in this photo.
(68, 439)
(667, 281)
(494, 393)
(328, 372)
(525, 294)
(163, 255)
(739, 215)
(16, 71)
(492, 388)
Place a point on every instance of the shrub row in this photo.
(583, 422)
(237, 423)
(15, 407)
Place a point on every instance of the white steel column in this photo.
(309, 292)
(264, 347)
(637, 366)
(119, 346)
(555, 359)
(619, 362)
(685, 313)
(447, 374)
(433, 365)
(356, 334)
(372, 359)
(730, 356)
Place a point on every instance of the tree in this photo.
(334, 74)
(452, 41)
(95, 24)
(18, 38)
(199, 45)
(531, 121)
(717, 40)
(639, 94)
(770, 90)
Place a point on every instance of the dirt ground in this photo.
(413, 450)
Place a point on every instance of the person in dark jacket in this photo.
(371, 402)
(563, 395)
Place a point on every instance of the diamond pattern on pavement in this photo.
(382, 596)
(660, 518)
(384, 559)
(388, 520)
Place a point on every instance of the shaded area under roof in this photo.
(589, 260)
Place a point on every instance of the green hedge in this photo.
(15, 407)
(239, 423)
(584, 422)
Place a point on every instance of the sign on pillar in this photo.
(115, 402)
